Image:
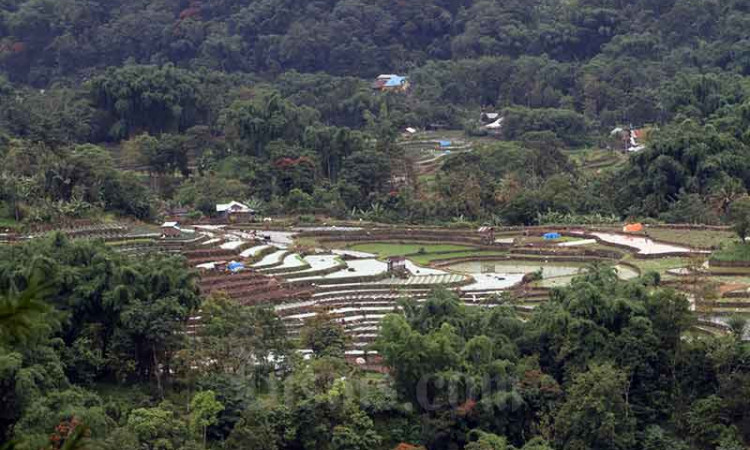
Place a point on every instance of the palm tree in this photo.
(19, 310)
(723, 195)
(376, 211)
(738, 325)
(255, 204)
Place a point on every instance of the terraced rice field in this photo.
(232, 245)
(254, 251)
(623, 272)
(386, 249)
(322, 262)
(660, 265)
(356, 268)
(421, 280)
(549, 270)
(577, 243)
(352, 253)
(359, 292)
(421, 270)
(692, 237)
(493, 282)
(353, 286)
(270, 259)
(596, 160)
(319, 263)
(643, 244)
(430, 257)
(281, 239)
(293, 260)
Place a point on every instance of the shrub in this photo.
(306, 219)
(736, 251)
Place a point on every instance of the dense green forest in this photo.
(94, 352)
(270, 101)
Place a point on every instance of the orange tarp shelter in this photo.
(632, 228)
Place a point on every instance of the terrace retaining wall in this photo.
(314, 273)
(719, 263)
(438, 263)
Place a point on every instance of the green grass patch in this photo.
(429, 257)
(9, 223)
(307, 242)
(144, 228)
(386, 249)
(374, 377)
(657, 265)
(129, 242)
(735, 251)
(604, 246)
(427, 179)
(693, 238)
(427, 183)
(595, 159)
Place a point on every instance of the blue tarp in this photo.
(552, 236)
(235, 266)
(445, 143)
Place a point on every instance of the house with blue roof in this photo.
(391, 82)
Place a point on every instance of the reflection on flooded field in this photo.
(644, 245)
(553, 274)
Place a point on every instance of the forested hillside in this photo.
(272, 101)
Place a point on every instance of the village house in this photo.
(170, 229)
(489, 117)
(492, 122)
(397, 266)
(630, 140)
(235, 212)
(391, 83)
(636, 140)
(487, 235)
